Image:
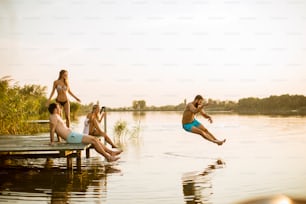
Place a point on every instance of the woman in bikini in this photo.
(61, 85)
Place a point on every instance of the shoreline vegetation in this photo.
(22, 104)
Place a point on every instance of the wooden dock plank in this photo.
(42, 147)
(35, 143)
(39, 121)
(33, 156)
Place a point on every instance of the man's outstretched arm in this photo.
(206, 116)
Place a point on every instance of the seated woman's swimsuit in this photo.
(86, 126)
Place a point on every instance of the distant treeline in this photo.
(150, 108)
(283, 105)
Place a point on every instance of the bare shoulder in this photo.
(53, 119)
(56, 82)
(90, 116)
(190, 105)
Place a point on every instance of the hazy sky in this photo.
(161, 51)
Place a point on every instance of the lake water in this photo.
(162, 163)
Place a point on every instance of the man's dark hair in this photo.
(52, 107)
(198, 97)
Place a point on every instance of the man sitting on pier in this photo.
(57, 125)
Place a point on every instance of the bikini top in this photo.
(61, 88)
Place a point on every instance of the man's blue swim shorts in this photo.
(188, 126)
(74, 137)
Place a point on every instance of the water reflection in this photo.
(54, 185)
(138, 116)
(197, 186)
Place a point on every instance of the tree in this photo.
(139, 105)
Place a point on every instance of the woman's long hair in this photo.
(61, 73)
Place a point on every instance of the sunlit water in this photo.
(162, 163)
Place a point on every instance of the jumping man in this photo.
(190, 124)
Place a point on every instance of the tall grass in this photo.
(123, 133)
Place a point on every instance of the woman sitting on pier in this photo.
(58, 126)
(92, 127)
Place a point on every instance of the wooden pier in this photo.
(23, 147)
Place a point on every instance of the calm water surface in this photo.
(162, 163)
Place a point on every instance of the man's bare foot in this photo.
(114, 153)
(220, 142)
(119, 151)
(112, 159)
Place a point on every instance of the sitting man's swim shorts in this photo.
(188, 126)
(74, 137)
